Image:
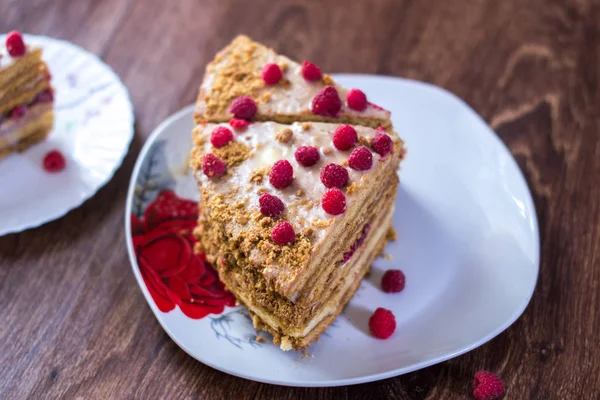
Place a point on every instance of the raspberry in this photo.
(18, 112)
(382, 143)
(238, 123)
(54, 161)
(344, 137)
(283, 233)
(14, 44)
(307, 155)
(393, 281)
(360, 159)
(334, 175)
(213, 166)
(334, 202)
(47, 96)
(310, 71)
(271, 74)
(487, 386)
(243, 107)
(382, 323)
(356, 100)
(282, 174)
(220, 136)
(270, 206)
(327, 102)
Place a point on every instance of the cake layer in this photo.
(294, 318)
(236, 71)
(17, 136)
(232, 224)
(24, 89)
(11, 68)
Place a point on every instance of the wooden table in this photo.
(73, 322)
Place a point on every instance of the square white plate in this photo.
(468, 245)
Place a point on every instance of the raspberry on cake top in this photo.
(247, 80)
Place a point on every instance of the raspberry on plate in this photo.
(282, 174)
(344, 137)
(283, 233)
(54, 161)
(334, 175)
(393, 281)
(487, 386)
(382, 323)
(15, 44)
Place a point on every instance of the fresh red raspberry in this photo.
(271, 73)
(382, 143)
(220, 136)
(393, 281)
(283, 233)
(307, 156)
(310, 71)
(382, 323)
(334, 175)
(487, 386)
(270, 206)
(327, 102)
(334, 202)
(14, 44)
(360, 159)
(54, 161)
(47, 96)
(243, 107)
(18, 112)
(282, 174)
(238, 123)
(213, 166)
(356, 99)
(344, 137)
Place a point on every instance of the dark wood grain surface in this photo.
(73, 322)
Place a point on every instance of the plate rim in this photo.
(351, 380)
(83, 198)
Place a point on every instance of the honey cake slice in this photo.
(247, 80)
(26, 95)
(293, 215)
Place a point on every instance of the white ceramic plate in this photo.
(468, 244)
(93, 127)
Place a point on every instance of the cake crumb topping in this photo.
(285, 135)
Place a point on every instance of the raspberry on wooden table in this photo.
(393, 281)
(243, 107)
(382, 323)
(344, 137)
(213, 166)
(270, 206)
(307, 156)
(283, 233)
(282, 174)
(220, 136)
(334, 202)
(361, 159)
(382, 143)
(271, 74)
(487, 386)
(327, 102)
(15, 44)
(310, 71)
(356, 100)
(334, 175)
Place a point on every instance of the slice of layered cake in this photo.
(26, 96)
(280, 90)
(297, 190)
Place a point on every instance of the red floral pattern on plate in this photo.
(174, 275)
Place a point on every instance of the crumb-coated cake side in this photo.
(284, 209)
(249, 80)
(26, 96)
